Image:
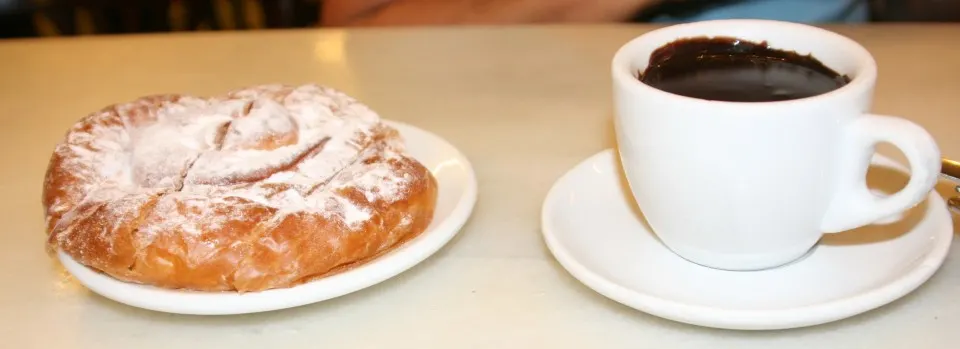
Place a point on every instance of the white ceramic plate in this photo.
(457, 189)
(592, 226)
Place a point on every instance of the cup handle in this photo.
(854, 205)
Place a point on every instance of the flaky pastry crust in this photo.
(261, 188)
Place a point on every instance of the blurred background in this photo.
(32, 18)
(48, 18)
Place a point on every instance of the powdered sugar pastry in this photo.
(274, 145)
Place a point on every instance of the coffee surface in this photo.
(734, 70)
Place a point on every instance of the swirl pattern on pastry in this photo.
(265, 187)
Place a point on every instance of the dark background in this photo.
(41, 18)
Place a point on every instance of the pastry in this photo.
(261, 188)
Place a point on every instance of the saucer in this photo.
(457, 189)
(594, 229)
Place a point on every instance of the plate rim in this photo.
(741, 319)
(412, 253)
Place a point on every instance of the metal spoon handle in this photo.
(950, 169)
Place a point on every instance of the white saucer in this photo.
(592, 226)
(457, 187)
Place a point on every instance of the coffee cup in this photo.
(750, 182)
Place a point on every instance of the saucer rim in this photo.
(405, 257)
(745, 319)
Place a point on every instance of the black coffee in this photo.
(730, 69)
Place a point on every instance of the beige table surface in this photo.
(524, 104)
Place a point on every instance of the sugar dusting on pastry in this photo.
(279, 150)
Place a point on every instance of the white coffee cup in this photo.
(749, 186)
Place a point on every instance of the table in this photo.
(523, 103)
